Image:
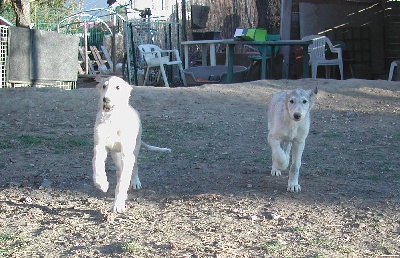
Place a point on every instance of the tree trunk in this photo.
(269, 15)
(22, 9)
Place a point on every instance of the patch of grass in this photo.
(318, 256)
(59, 144)
(6, 144)
(148, 157)
(262, 159)
(11, 244)
(66, 143)
(386, 248)
(273, 246)
(323, 242)
(329, 244)
(373, 177)
(191, 128)
(332, 134)
(396, 176)
(134, 248)
(299, 230)
(30, 140)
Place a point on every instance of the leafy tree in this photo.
(25, 9)
(22, 9)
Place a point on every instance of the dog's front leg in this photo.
(99, 169)
(297, 152)
(124, 180)
(279, 158)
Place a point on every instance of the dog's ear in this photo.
(315, 91)
(312, 94)
(101, 81)
(287, 96)
(98, 78)
(128, 87)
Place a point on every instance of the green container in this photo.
(251, 34)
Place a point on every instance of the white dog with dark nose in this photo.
(288, 125)
(117, 130)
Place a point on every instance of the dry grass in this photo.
(213, 195)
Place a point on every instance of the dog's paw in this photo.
(136, 184)
(101, 183)
(118, 207)
(293, 188)
(275, 172)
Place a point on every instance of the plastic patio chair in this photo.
(154, 56)
(393, 65)
(317, 51)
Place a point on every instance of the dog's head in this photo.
(114, 92)
(299, 102)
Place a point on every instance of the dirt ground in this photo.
(213, 196)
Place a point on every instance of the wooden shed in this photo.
(369, 28)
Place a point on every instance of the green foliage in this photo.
(49, 3)
(44, 14)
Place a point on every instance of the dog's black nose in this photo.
(297, 116)
(105, 100)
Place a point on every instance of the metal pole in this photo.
(286, 14)
(184, 32)
(113, 47)
(85, 45)
(135, 70)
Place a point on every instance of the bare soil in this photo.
(213, 196)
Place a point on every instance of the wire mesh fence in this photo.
(164, 34)
(224, 16)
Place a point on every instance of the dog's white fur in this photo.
(288, 125)
(117, 129)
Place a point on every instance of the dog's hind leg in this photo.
(135, 181)
(287, 147)
(280, 160)
(117, 158)
(99, 168)
(293, 182)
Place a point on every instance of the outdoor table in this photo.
(203, 44)
(263, 44)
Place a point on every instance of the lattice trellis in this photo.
(3, 55)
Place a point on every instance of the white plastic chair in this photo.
(393, 65)
(154, 56)
(317, 52)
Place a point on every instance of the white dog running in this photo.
(288, 125)
(117, 129)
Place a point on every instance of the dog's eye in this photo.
(304, 101)
(104, 86)
(291, 101)
(117, 87)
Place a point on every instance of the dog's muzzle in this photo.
(107, 107)
(297, 116)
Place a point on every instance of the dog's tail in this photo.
(154, 148)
